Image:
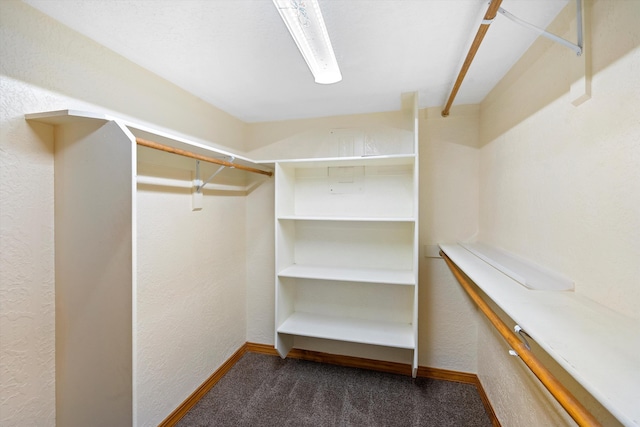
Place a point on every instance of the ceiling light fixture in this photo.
(304, 21)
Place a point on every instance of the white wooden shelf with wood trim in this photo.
(389, 334)
(597, 346)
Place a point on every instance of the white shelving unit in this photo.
(96, 163)
(346, 250)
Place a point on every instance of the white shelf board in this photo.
(389, 334)
(142, 131)
(66, 116)
(523, 271)
(369, 275)
(388, 160)
(344, 218)
(599, 347)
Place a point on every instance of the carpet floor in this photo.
(262, 390)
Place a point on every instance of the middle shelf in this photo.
(363, 275)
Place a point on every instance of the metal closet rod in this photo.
(573, 407)
(178, 151)
(492, 11)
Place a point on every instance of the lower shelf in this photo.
(389, 334)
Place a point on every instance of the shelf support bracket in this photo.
(577, 48)
(580, 90)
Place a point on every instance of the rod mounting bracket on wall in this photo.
(517, 329)
(199, 183)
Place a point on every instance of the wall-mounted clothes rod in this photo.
(573, 407)
(180, 152)
(489, 16)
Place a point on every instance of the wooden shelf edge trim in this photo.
(564, 397)
(320, 357)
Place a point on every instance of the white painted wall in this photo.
(46, 66)
(560, 184)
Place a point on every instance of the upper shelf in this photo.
(385, 160)
(597, 346)
(523, 271)
(142, 131)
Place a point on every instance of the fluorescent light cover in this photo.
(304, 21)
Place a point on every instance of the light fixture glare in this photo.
(305, 24)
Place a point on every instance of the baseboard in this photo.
(351, 362)
(261, 349)
(334, 359)
(204, 388)
(487, 404)
(447, 375)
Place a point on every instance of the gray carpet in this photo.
(263, 390)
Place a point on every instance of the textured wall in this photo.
(45, 66)
(449, 166)
(560, 184)
(27, 309)
(260, 235)
(191, 284)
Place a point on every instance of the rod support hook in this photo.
(521, 332)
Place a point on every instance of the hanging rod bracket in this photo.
(199, 183)
(577, 48)
(521, 332)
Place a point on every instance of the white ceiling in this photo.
(239, 56)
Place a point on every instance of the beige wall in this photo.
(449, 166)
(45, 66)
(560, 184)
